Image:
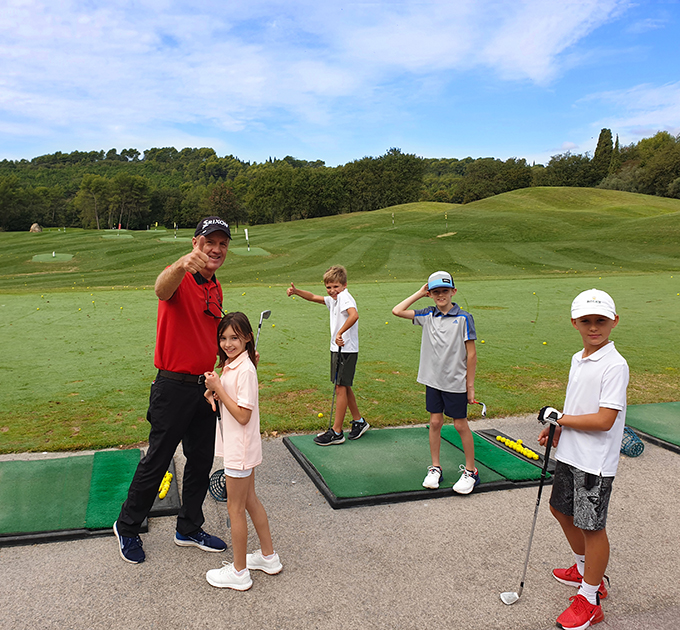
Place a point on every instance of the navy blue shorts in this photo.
(453, 405)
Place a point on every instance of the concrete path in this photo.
(432, 564)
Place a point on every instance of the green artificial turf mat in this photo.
(382, 462)
(45, 494)
(112, 473)
(63, 498)
(660, 420)
(503, 462)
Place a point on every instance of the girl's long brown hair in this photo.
(241, 326)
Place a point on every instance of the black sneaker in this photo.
(359, 427)
(130, 547)
(330, 437)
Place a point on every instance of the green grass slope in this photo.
(530, 232)
(77, 337)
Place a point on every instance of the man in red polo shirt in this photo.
(189, 310)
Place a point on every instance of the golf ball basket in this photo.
(218, 486)
(631, 444)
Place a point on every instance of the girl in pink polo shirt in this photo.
(237, 393)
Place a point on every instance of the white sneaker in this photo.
(256, 561)
(226, 578)
(434, 477)
(467, 482)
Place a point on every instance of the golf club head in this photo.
(476, 402)
(509, 598)
(265, 315)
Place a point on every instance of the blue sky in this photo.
(336, 81)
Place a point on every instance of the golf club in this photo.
(476, 402)
(263, 315)
(335, 386)
(510, 597)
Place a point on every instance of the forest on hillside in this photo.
(134, 190)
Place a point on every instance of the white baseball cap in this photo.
(440, 279)
(593, 302)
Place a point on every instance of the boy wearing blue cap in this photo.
(448, 361)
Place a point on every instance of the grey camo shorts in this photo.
(582, 495)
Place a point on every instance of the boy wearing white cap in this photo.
(448, 361)
(588, 440)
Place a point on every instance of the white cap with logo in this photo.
(593, 302)
(439, 279)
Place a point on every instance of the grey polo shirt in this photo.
(443, 357)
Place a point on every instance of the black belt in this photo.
(183, 378)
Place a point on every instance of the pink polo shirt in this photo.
(242, 446)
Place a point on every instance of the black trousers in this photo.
(177, 412)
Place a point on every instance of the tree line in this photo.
(131, 189)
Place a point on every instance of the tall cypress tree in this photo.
(615, 163)
(603, 157)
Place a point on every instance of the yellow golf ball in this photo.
(320, 415)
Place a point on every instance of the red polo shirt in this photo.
(186, 338)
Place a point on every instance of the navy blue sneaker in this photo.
(130, 547)
(202, 540)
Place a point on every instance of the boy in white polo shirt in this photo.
(588, 440)
(448, 361)
(344, 320)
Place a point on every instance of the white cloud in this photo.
(133, 69)
(534, 33)
(642, 110)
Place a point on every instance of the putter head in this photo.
(509, 597)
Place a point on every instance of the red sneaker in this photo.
(571, 577)
(580, 614)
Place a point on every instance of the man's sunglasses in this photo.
(214, 309)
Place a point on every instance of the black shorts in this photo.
(453, 405)
(582, 495)
(346, 369)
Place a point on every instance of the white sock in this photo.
(589, 591)
(270, 557)
(580, 563)
(241, 572)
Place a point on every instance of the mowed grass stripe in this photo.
(98, 361)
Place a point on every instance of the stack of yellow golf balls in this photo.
(165, 485)
(517, 446)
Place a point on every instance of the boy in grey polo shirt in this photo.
(448, 361)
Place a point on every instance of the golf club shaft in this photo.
(263, 315)
(538, 502)
(335, 387)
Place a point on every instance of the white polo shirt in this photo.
(338, 311)
(599, 380)
(242, 446)
(443, 355)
